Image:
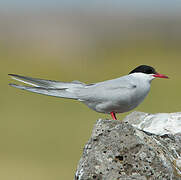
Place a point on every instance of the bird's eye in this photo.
(150, 71)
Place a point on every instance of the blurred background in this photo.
(41, 137)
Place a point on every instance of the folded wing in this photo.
(48, 87)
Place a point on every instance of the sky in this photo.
(162, 5)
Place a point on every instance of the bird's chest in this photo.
(139, 93)
(131, 99)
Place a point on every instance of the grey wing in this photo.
(63, 93)
(48, 87)
(44, 83)
(107, 90)
(108, 95)
(124, 82)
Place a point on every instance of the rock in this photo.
(160, 124)
(120, 151)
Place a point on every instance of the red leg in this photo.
(113, 116)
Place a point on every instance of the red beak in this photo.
(160, 75)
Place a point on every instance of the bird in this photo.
(110, 97)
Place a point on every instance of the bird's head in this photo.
(147, 71)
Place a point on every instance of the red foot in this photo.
(113, 116)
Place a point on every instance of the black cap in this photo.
(144, 69)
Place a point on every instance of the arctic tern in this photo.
(112, 96)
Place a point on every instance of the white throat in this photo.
(143, 76)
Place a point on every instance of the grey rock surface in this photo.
(119, 151)
(160, 123)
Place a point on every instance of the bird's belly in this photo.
(120, 104)
(117, 101)
(117, 107)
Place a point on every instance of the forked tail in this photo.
(48, 87)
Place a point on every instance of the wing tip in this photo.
(10, 74)
(17, 86)
(13, 85)
(14, 76)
